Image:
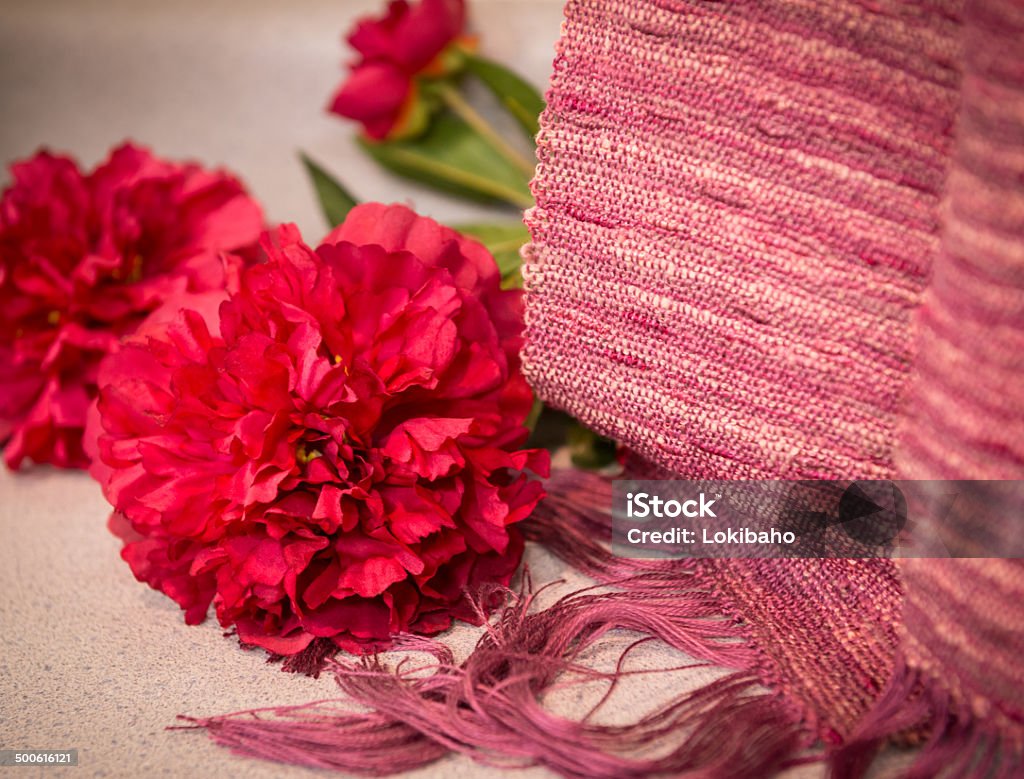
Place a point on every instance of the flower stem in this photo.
(483, 128)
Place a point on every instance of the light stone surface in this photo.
(89, 658)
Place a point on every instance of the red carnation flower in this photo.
(338, 456)
(83, 260)
(410, 41)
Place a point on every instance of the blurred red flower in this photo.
(338, 455)
(84, 258)
(409, 41)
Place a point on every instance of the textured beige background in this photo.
(88, 657)
(241, 84)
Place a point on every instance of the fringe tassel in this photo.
(573, 523)
(491, 706)
(311, 661)
(951, 741)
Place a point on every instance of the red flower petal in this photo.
(342, 459)
(84, 259)
(394, 50)
(373, 95)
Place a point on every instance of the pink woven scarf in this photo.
(739, 209)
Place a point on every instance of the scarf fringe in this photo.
(951, 741)
(491, 707)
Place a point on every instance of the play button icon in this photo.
(872, 512)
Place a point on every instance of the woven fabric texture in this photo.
(739, 209)
(736, 215)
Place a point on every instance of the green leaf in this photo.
(335, 201)
(451, 157)
(521, 99)
(504, 242)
